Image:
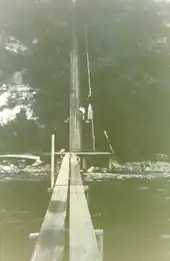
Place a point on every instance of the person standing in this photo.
(83, 112)
(89, 113)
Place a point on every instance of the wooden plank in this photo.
(50, 244)
(21, 156)
(94, 153)
(78, 153)
(82, 239)
(90, 153)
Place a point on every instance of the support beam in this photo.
(50, 243)
(78, 153)
(110, 163)
(84, 166)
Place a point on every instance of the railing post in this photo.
(110, 163)
(52, 160)
(99, 237)
(84, 163)
(93, 134)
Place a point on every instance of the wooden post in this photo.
(52, 160)
(110, 163)
(99, 237)
(83, 163)
(93, 135)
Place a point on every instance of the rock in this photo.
(162, 157)
(34, 41)
(91, 169)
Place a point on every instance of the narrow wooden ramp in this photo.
(82, 239)
(50, 244)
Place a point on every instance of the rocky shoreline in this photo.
(144, 167)
(22, 171)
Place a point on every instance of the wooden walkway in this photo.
(50, 244)
(68, 199)
(82, 239)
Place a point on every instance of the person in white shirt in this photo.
(83, 112)
(89, 113)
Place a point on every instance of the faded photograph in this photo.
(84, 130)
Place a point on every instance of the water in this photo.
(134, 214)
(135, 217)
(23, 205)
(129, 60)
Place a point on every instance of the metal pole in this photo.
(52, 160)
(89, 85)
(93, 135)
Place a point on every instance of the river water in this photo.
(130, 61)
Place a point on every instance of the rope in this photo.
(89, 89)
(88, 64)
